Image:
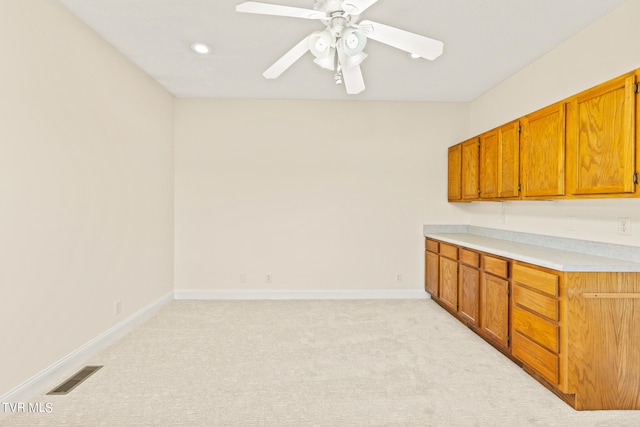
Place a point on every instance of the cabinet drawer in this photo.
(536, 328)
(536, 279)
(431, 245)
(495, 266)
(542, 360)
(468, 257)
(449, 251)
(542, 304)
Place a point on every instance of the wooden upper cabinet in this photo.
(470, 169)
(509, 159)
(585, 146)
(454, 186)
(542, 153)
(601, 139)
(500, 162)
(489, 164)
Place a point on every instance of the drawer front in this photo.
(536, 328)
(536, 279)
(449, 251)
(542, 360)
(540, 303)
(469, 257)
(496, 266)
(431, 245)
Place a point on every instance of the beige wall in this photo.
(321, 195)
(85, 187)
(604, 50)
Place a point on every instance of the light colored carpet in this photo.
(308, 363)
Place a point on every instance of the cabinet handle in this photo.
(610, 295)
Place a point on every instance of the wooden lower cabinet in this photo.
(431, 273)
(469, 294)
(495, 309)
(536, 328)
(448, 292)
(578, 333)
(602, 318)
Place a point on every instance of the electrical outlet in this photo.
(267, 278)
(399, 278)
(117, 307)
(624, 226)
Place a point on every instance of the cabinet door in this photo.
(431, 273)
(495, 308)
(469, 294)
(448, 292)
(601, 139)
(489, 165)
(509, 160)
(470, 163)
(455, 173)
(542, 152)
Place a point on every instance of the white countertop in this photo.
(556, 259)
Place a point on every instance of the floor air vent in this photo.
(75, 380)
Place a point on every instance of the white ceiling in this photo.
(486, 41)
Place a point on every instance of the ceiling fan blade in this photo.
(287, 60)
(356, 7)
(409, 42)
(353, 80)
(278, 10)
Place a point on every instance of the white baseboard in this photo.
(43, 380)
(252, 294)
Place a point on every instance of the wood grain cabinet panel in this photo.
(538, 303)
(448, 292)
(536, 278)
(542, 153)
(449, 251)
(509, 160)
(603, 320)
(601, 139)
(431, 273)
(499, 162)
(495, 309)
(469, 294)
(469, 257)
(432, 245)
(496, 266)
(470, 169)
(543, 361)
(543, 332)
(454, 181)
(489, 165)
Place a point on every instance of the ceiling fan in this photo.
(340, 46)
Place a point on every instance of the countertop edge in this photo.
(518, 252)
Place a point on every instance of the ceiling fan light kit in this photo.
(340, 47)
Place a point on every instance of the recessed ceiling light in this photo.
(200, 48)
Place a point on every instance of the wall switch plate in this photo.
(117, 307)
(624, 226)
